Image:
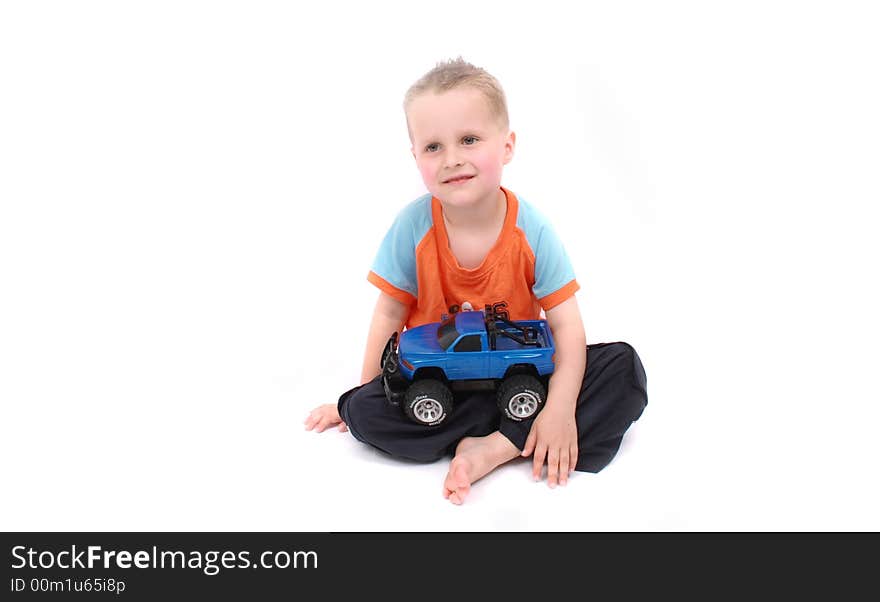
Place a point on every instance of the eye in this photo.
(432, 147)
(469, 140)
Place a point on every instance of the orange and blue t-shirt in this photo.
(528, 267)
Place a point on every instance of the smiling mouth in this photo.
(458, 180)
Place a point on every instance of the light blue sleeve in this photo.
(395, 261)
(553, 269)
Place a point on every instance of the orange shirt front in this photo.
(527, 267)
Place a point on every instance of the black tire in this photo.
(521, 397)
(388, 363)
(428, 402)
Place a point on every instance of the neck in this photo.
(481, 215)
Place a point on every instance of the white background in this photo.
(191, 194)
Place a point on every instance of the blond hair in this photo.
(456, 73)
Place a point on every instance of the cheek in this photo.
(427, 169)
(489, 164)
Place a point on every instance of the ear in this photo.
(509, 145)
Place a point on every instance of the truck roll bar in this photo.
(497, 312)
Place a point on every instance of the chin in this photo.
(461, 198)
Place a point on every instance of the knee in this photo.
(357, 406)
(635, 382)
(633, 363)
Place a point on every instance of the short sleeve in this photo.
(394, 267)
(554, 275)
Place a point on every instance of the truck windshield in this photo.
(447, 334)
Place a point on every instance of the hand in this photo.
(553, 437)
(323, 417)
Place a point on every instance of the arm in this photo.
(389, 316)
(554, 433)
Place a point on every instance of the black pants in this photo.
(612, 397)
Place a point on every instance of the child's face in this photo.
(459, 145)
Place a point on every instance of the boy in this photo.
(471, 242)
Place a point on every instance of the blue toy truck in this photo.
(469, 350)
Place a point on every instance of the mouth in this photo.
(458, 180)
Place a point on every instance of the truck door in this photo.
(470, 359)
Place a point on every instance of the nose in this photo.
(452, 159)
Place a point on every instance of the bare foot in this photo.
(475, 457)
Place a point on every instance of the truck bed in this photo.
(503, 343)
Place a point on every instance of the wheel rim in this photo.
(428, 410)
(523, 405)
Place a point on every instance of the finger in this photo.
(343, 427)
(530, 444)
(553, 467)
(573, 458)
(310, 422)
(563, 466)
(538, 462)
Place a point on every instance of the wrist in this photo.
(560, 405)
